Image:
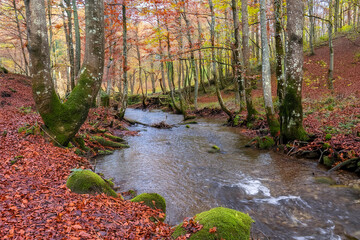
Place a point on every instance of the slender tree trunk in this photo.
(152, 76)
(266, 74)
(63, 120)
(212, 33)
(70, 43)
(163, 85)
(291, 112)
(20, 38)
(331, 49)
(312, 26)
(200, 54)
(280, 51)
(123, 102)
(68, 69)
(237, 53)
(246, 55)
(77, 61)
(192, 57)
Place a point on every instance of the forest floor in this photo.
(34, 200)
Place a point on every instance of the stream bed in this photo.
(280, 193)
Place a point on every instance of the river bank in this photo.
(35, 202)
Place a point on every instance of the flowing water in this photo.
(278, 192)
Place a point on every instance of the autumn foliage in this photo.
(34, 201)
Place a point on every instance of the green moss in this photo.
(87, 182)
(328, 161)
(149, 198)
(114, 138)
(236, 120)
(63, 120)
(107, 143)
(266, 142)
(214, 149)
(78, 152)
(104, 99)
(328, 137)
(230, 225)
(326, 145)
(325, 180)
(3, 70)
(187, 126)
(105, 152)
(81, 143)
(291, 114)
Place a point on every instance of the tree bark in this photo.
(312, 26)
(124, 98)
(20, 38)
(70, 43)
(331, 49)
(246, 56)
(266, 74)
(279, 51)
(237, 53)
(77, 62)
(192, 57)
(291, 112)
(63, 120)
(212, 33)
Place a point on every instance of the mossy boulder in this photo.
(229, 224)
(149, 198)
(154, 201)
(87, 182)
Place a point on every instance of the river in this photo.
(280, 193)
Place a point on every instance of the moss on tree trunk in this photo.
(63, 120)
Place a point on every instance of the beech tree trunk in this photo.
(192, 57)
(63, 120)
(246, 55)
(237, 53)
(331, 49)
(218, 93)
(70, 43)
(77, 62)
(279, 51)
(312, 26)
(21, 38)
(124, 96)
(266, 74)
(291, 112)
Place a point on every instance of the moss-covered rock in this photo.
(214, 149)
(229, 224)
(149, 198)
(87, 182)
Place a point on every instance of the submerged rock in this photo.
(219, 223)
(325, 180)
(87, 182)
